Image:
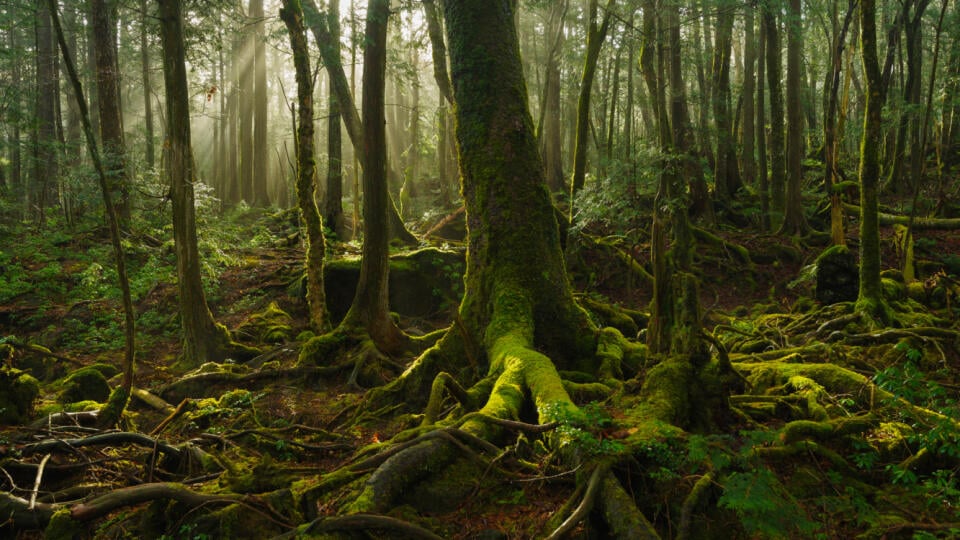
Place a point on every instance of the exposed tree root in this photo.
(363, 522)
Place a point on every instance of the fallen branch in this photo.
(113, 438)
(918, 222)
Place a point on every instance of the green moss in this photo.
(18, 390)
(85, 383)
(116, 404)
(62, 526)
(264, 476)
(272, 325)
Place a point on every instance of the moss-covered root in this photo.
(690, 504)
(113, 410)
(624, 520)
(445, 381)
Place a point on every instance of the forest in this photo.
(480, 269)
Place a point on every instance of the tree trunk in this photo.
(370, 307)
(245, 118)
(763, 184)
(551, 137)
(777, 148)
(794, 221)
(595, 36)
(870, 296)
(726, 171)
(261, 155)
(203, 339)
(831, 142)
(333, 202)
(45, 154)
(149, 153)
(111, 115)
(292, 16)
(748, 158)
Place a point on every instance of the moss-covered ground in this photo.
(834, 429)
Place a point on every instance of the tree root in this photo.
(690, 504)
(362, 522)
(586, 503)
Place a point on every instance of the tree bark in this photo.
(726, 171)
(261, 156)
(111, 115)
(292, 15)
(203, 339)
(776, 147)
(333, 201)
(794, 221)
(45, 154)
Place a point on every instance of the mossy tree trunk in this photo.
(203, 339)
(831, 144)
(794, 221)
(370, 307)
(292, 16)
(596, 33)
(727, 171)
(870, 297)
(512, 228)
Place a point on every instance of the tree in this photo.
(727, 171)
(203, 339)
(794, 221)
(111, 115)
(260, 100)
(775, 88)
(333, 203)
(45, 151)
(596, 33)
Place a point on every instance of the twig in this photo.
(586, 504)
(36, 483)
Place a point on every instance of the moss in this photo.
(265, 476)
(18, 390)
(272, 325)
(85, 383)
(62, 526)
(116, 404)
(322, 350)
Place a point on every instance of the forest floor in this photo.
(59, 313)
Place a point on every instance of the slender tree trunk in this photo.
(45, 166)
(118, 399)
(748, 158)
(596, 33)
(14, 119)
(111, 115)
(261, 156)
(763, 185)
(551, 137)
(794, 221)
(149, 152)
(333, 202)
(204, 340)
(777, 146)
(870, 297)
(245, 118)
(726, 171)
(831, 141)
(370, 307)
(292, 16)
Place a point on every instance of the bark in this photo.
(794, 221)
(831, 141)
(870, 296)
(333, 201)
(763, 184)
(203, 339)
(726, 171)
(111, 116)
(596, 33)
(260, 99)
(245, 116)
(370, 307)
(149, 153)
(45, 154)
(292, 16)
(551, 136)
(776, 148)
(747, 156)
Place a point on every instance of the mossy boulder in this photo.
(838, 276)
(87, 383)
(272, 325)
(18, 390)
(423, 283)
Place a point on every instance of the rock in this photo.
(86, 383)
(838, 276)
(18, 390)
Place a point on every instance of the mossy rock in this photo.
(838, 276)
(423, 283)
(272, 325)
(18, 390)
(86, 383)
